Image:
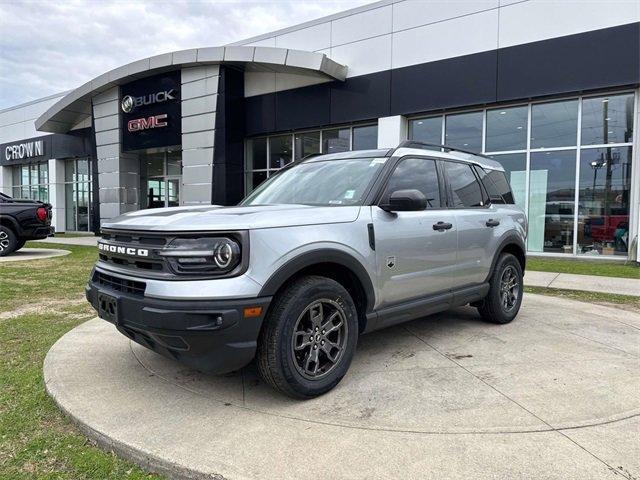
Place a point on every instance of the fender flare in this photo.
(324, 255)
(510, 239)
(11, 222)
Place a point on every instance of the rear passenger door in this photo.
(476, 220)
(414, 258)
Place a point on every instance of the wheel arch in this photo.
(10, 222)
(514, 245)
(330, 263)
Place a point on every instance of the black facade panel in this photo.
(260, 114)
(361, 98)
(598, 59)
(228, 158)
(450, 83)
(303, 107)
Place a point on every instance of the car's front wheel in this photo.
(309, 338)
(503, 301)
(8, 241)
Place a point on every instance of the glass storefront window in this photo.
(77, 174)
(554, 124)
(31, 181)
(464, 130)
(307, 143)
(607, 120)
(256, 154)
(515, 169)
(427, 130)
(552, 201)
(365, 138)
(336, 140)
(280, 151)
(506, 129)
(603, 200)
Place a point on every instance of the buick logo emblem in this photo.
(127, 104)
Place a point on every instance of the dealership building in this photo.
(549, 89)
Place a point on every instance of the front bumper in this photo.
(210, 336)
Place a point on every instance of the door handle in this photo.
(492, 223)
(440, 226)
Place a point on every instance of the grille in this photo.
(151, 264)
(119, 284)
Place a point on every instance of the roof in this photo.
(75, 106)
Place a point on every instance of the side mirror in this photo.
(405, 201)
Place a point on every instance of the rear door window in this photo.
(497, 186)
(464, 189)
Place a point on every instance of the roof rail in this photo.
(446, 148)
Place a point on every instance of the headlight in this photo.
(205, 256)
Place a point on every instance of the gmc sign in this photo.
(155, 121)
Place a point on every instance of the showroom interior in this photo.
(556, 105)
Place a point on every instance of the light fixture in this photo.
(605, 100)
(607, 119)
(519, 127)
(503, 112)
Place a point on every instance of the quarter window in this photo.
(416, 174)
(463, 185)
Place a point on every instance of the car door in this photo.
(415, 251)
(476, 220)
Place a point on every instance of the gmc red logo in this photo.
(155, 121)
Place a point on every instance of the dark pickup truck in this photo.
(22, 220)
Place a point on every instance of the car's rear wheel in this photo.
(8, 241)
(503, 302)
(19, 244)
(309, 338)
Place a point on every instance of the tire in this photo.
(498, 307)
(8, 241)
(294, 355)
(19, 244)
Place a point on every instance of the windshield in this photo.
(325, 183)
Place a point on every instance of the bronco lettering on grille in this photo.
(139, 252)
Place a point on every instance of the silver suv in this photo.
(327, 249)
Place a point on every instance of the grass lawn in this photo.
(624, 301)
(39, 302)
(584, 267)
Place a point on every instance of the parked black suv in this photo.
(22, 220)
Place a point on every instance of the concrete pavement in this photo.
(25, 254)
(553, 395)
(588, 283)
(87, 241)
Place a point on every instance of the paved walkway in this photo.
(589, 283)
(552, 395)
(88, 241)
(25, 254)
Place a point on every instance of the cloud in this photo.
(47, 47)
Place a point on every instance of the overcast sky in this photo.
(50, 46)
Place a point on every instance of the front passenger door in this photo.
(414, 259)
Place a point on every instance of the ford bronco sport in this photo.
(327, 249)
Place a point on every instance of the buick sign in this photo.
(129, 103)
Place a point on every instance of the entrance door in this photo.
(161, 178)
(414, 259)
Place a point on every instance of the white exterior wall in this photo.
(394, 34)
(17, 123)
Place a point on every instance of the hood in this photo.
(217, 218)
